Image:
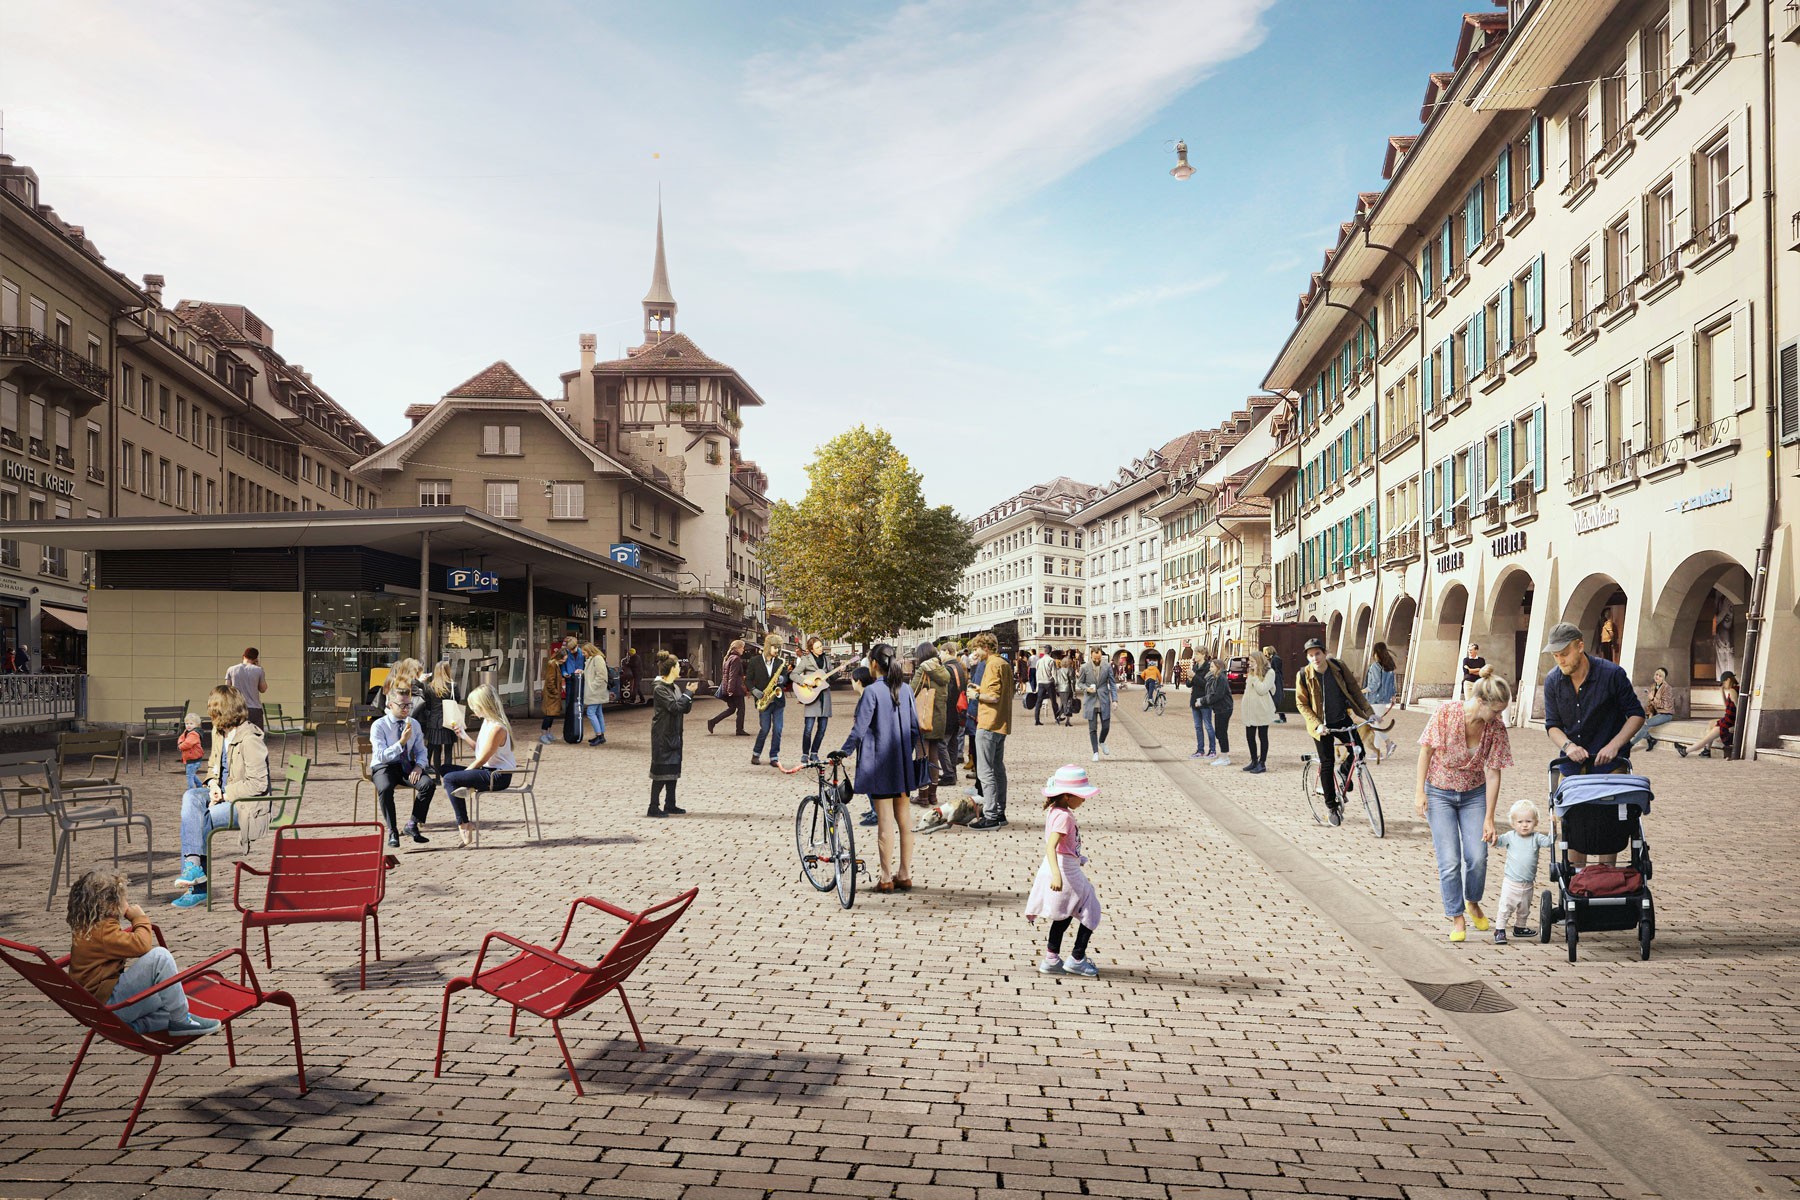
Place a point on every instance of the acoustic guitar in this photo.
(812, 685)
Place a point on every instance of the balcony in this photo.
(1492, 514)
(1586, 485)
(1459, 279)
(1438, 538)
(1615, 149)
(1619, 304)
(1522, 353)
(96, 474)
(1398, 336)
(1523, 208)
(1619, 475)
(1663, 458)
(64, 459)
(1523, 502)
(1581, 182)
(1399, 440)
(1459, 399)
(40, 449)
(1583, 329)
(1658, 101)
(10, 439)
(1712, 240)
(1710, 48)
(1661, 275)
(37, 364)
(1490, 244)
(1713, 440)
(1492, 375)
(1459, 522)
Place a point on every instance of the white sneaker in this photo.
(1096, 756)
(1224, 760)
(1105, 749)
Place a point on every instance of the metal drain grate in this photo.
(1469, 996)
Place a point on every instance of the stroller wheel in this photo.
(1646, 933)
(1571, 936)
(1545, 913)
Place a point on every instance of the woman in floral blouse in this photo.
(1461, 754)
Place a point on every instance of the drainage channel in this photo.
(1668, 1155)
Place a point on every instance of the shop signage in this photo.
(1597, 517)
(18, 472)
(1509, 543)
(578, 610)
(1024, 610)
(1452, 561)
(468, 579)
(1706, 499)
(625, 553)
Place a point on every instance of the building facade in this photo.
(1123, 559)
(1028, 581)
(1534, 371)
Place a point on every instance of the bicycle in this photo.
(1160, 704)
(1350, 762)
(824, 834)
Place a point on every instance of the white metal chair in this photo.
(524, 786)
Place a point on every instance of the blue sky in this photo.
(952, 218)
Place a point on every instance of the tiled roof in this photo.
(206, 317)
(675, 353)
(498, 382)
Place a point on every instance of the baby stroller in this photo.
(1599, 815)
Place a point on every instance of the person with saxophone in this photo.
(767, 675)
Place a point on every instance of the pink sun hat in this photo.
(1069, 781)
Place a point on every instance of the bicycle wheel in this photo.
(1365, 780)
(1162, 703)
(1309, 784)
(812, 840)
(843, 851)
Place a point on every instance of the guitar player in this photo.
(818, 713)
(759, 673)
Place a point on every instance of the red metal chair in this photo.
(340, 877)
(209, 995)
(549, 985)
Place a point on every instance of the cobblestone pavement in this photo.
(1236, 1044)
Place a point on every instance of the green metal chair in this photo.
(287, 813)
(280, 724)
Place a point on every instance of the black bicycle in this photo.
(1350, 761)
(824, 834)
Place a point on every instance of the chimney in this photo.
(581, 394)
(153, 287)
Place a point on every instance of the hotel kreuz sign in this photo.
(18, 472)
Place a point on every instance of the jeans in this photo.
(596, 720)
(938, 755)
(389, 776)
(812, 736)
(153, 1013)
(1649, 724)
(1456, 820)
(990, 765)
(199, 817)
(481, 779)
(1149, 692)
(769, 721)
(1098, 728)
(193, 772)
(1204, 740)
(1258, 738)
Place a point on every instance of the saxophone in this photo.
(767, 696)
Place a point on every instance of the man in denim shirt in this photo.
(398, 758)
(1591, 710)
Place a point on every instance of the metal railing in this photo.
(1616, 140)
(1400, 333)
(1663, 268)
(19, 342)
(1715, 433)
(28, 698)
(1622, 468)
(1712, 45)
(1657, 98)
(1399, 438)
(1586, 483)
(1712, 233)
(1523, 347)
(1580, 177)
(1493, 511)
(1524, 498)
(9, 553)
(1582, 325)
(1662, 454)
(1459, 519)
(1621, 298)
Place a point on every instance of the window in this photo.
(1581, 270)
(62, 331)
(40, 316)
(1583, 434)
(181, 419)
(9, 303)
(147, 462)
(434, 493)
(684, 391)
(500, 439)
(194, 424)
(127, 460)
(1661, 244)
(503, 499)
(1706, 25)
(336, 480)
(1619, 275)
(147, 391)
(35, 428)
(96, 457)
(1049, 565)
(162, 406)
(162, 480)
(1712, 192)
(127, 385)
(1653, 61)
(656, 511)
(635, 522)
(1712, 373)
(675, 527)
(212, 434)
(1659, 375)
(212, 501)
(1578, 147)
(1618, 410)
(1614, 127)
(180, 486)
(568, 501)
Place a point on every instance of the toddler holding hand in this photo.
(1522, 843)
(115, 956)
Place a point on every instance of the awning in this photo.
(72, 619)
(1273, 469)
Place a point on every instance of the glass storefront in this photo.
(352, 634)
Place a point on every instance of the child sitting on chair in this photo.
(115, 956)
(193, 751)
(1522, 843)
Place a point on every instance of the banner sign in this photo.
(468, 579)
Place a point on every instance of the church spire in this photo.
(659, 302)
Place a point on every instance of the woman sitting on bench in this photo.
(494, 761)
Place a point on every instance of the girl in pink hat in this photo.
(1061, 892)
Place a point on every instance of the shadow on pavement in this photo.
(1200, 979)
(619, 1066)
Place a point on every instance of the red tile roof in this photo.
(498, 382)
(675, 353)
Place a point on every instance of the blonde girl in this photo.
(594, 690)
(494, 763)
(113, 953)
(440, 742)
(238, 770)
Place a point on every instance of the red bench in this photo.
(325, 877)
(209, 994)
(547, 984)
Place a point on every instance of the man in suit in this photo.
(759, 672)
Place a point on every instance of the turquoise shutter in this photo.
(1538, 470)
(1503, 181)
(1429, 379)
(1506, 462)
(1472, 221)
(1534, 151)
(1447, 380)
(1503, 326)
(1478, 343)
(1447, 487)
(1534, 296)
(1448, 255)
(1425, 271)
(1428, 510)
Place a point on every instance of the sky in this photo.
(949, 218)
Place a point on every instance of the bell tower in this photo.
(659, 302)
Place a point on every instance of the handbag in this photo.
(1031, 701)
(925, 700)
(719, 692)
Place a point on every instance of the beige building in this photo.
(1028, 580)
(1123, 557)
(1534, 371)
(667, 399)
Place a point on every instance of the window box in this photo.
(1662, 459)
(1492, 375)
(1618, 307)
(1522, 354)
(1459, 400)
(1615, 150)
(1580, 185)
(1490, 246)
(1716, 440)
(1712, 242)
(1620, 476)
(1583, 331)
(1659, 106)
(1458, 281)
(1523, 209)
(1661, 276)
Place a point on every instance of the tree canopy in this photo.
(862, 556)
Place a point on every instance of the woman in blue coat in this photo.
(886, 741)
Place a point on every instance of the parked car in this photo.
(1235, 670)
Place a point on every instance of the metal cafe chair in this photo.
(161, 724)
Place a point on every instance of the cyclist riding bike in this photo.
(1329, 696)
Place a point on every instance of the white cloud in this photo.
(1162, 293)
(890, 141)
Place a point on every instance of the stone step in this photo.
(1790, 743)
(1787, 753)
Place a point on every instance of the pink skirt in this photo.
(1077, 898)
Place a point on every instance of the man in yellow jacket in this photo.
(993, 722)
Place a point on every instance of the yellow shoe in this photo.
(1459, 935)
(1481, 923)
